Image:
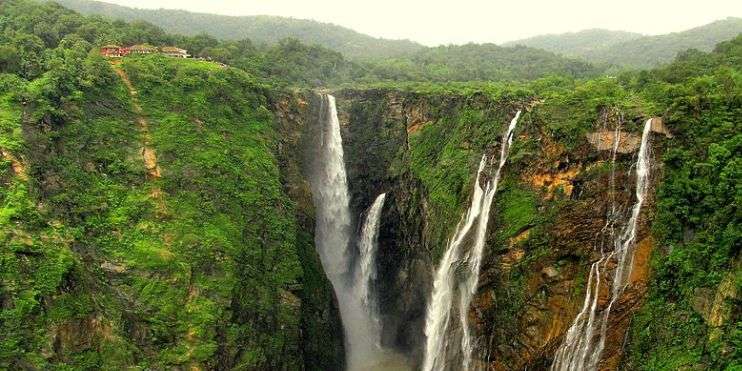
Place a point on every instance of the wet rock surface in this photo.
(532, 282)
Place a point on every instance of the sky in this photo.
(434, 22)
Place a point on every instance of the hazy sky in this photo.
(435, 22)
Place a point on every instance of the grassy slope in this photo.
(85, 204)
(227, 214)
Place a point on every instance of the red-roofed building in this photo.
(114, 51)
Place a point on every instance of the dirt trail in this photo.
(18, 168)
(148, 152)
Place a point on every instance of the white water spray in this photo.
(439, 351)
(579, 350)
(366, 271)
(333, 240)
(330, 194)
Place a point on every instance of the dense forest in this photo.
(202, 256)
(291, 61)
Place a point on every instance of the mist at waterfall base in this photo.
(349, 268)
(579, 350)
(457, 275)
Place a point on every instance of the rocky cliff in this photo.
(422, 150)
(187, 243)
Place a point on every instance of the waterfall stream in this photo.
(349, 273)
(330, 196)
(458, 272)
(579, 351)
(366, 272)
(333, 232)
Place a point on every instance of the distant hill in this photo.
(577, 44)
(472, 62)
(392, 59)
(633, 50)
(261, 29)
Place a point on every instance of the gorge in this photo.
(381, 128)
(182, 214)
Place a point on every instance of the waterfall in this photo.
(366, 272)
(330, 196)
(449, 280)
(579, 351)
(333, 233)
(349, 274)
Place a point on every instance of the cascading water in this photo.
(330, 195)
(333, 240)
(579, 350)
(366, 271)
(350, 277)
(447, 279)
(575, 349)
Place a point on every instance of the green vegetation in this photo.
(261, 29)
(479, 62)
(577, 44)
(442, 156)
(622, 49)
(105, 266)
(697, 223)
(311, 53)
(226, 213)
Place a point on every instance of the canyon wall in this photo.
(209, 262)
(422, 149)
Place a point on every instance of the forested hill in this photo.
(634, 50)
(295, 62)
(261, 29)
(481, 62)
(577, 44)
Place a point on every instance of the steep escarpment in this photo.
(208, 265)
(157, 213)
(550, 217)
(553, 203)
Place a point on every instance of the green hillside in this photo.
(480, 62)
(577, 44)
(651, 51)
(261, 29)
(633, 50)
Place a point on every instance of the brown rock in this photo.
(658, 126)
(603, 140)
(113, 268)
(550, 272)
(554, 180)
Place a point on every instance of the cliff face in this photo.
(422, 150)
(200, 260)
(205, 259)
